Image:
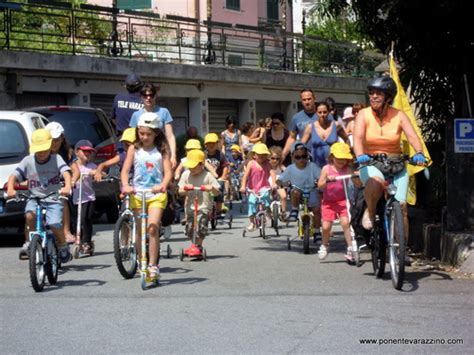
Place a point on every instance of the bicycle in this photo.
(388, 231)
(261, 215)
(305, 220)
(44, 259)
(194, 251)
(125, 251)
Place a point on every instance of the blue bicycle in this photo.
(43, 250)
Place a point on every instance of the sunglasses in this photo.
(148, 96)
(276, 123)
(273, 158)
(299, 157)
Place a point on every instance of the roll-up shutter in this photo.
(218, 110)
(103, 102)
(35, 99)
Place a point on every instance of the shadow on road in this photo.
(83, 267)
(184, 280)
(69, 283)
(412, 279)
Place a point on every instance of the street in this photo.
(251, 296)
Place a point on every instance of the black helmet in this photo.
(385, 84)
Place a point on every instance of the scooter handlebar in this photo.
(195, 188)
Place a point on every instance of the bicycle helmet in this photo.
(384, 84)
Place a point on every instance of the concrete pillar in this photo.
(247, 111)
(199, 114)
(80, 99)
(291, 110)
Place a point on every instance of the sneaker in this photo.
(154, 271)
(323, 252)
(64, 254)
(24, 251)
(250, 227)
(293, 216)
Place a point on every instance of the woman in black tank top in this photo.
(278, 134)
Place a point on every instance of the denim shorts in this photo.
(400, 180)
(54, 212)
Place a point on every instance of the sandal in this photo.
(293, 216)
(366, 221)
(154, 271)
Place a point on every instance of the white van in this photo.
(16, 128)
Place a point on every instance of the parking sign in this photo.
(464, 135)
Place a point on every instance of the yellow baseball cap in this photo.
(236, 147)
(260, 148)
(129, 135)
(211, 138)
(193, 158)
(40, 140)
(341, 151)
(193, 144)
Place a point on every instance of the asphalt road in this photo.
(251, 296)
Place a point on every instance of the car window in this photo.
(80, 125)
(37, 122)
(14, 143)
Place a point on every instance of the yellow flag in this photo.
(401, 102)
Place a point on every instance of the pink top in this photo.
(258, 176)
(334, 191)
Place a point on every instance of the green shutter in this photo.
(133, 4)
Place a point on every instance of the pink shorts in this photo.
(330, 210)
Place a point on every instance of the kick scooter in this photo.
(194, 251)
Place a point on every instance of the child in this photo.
(127, 139)
(277, 166)
(60, 146)
(334, 198)
(217, 166)
(190, 145)
(84, 151)
(150, 158)
(197, 176)
(236, 168)
(258, 175)
(43, 171)
(264, 124)
(304, 174)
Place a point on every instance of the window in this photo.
(14, 143)
(232, 4)
(273, 10)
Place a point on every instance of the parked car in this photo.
(94, 125)
(16, 128)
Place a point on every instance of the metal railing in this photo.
(107, 32)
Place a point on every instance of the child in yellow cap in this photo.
(128, 138)
(235, 168)
(333, 204)
(197, 176)
(190, 145)
(43, 170)
(260, 178)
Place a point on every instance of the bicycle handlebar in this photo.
(195, 188)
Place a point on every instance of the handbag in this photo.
(389, 165)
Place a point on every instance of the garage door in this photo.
(35, 99)
(104, 102)
(218, 110)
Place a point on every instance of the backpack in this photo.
(357, 209)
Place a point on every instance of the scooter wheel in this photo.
(288, 242)
(168, 251)
(76, 249)
(204, 254)
(243, 234)
(181, 254)
(143, 281)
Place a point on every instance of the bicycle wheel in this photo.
(125, 252)
(306, 237)
(378, 250)
(37, 263)
(396, 246)
(52, 262)
(275, 212)
(262, 224)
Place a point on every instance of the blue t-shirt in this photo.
(163, 113)
(125, 105)
(303, 178)
(299, 122)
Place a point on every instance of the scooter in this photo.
(194, 251)
(78, 248)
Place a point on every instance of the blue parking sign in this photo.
(464, 135)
